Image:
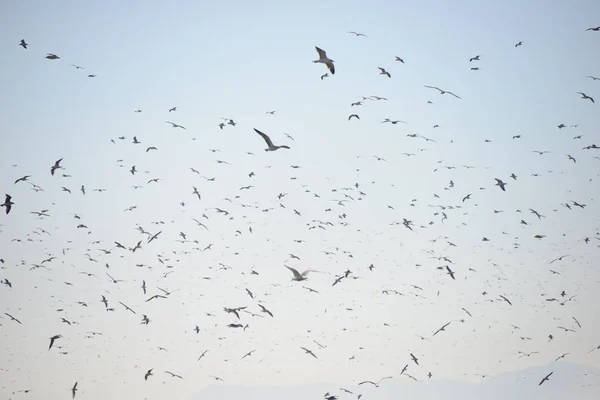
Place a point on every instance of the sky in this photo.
(336, 200)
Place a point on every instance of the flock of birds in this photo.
(100, 298)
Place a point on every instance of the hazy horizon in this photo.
(165, 213)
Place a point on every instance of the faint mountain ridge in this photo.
(569, 381)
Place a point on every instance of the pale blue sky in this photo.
(239, 60)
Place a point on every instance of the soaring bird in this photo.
(297, 275)
(442, 91)
(52, 339)
(174, 125)
(51, 56)
(586, 97)
(149, 373)
(55, 166)
(7, 203)
(23, 44)
(74, 389)
(476, 58)
(384, 72)
(323, 59)
(500, 184)
(307, 351)
(399, 59)
(357, 34)
(546, 378)
(267, 139)
(519, 44)
(376, 384)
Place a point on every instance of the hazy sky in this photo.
(240, 60)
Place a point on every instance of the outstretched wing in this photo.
(265, 137)
(433, 87)
(331, 67)
(321, 52)
(295, 272)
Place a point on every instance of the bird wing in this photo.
(295, 272)
(331, 67)
(265, 137)
(321, 52)
(433, 87)
(453, 95)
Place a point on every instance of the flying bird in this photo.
(297, 275)
(55, 166)
(323, 59)
(586, 97)
(267, 139)
(442, 91)
(384, 72)
(546, 378)
(7, 203)
(23, 44)
(52, 339)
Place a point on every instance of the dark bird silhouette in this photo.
(149, 373)
(7, 203)
(23, 44)
(586, 97)
(546, 378)
(55, 167)
(52, 339)
(169, 372)
(307, 351)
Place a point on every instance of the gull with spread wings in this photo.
(299, 276)
(323, 59)
(267, 139)
(442, 91)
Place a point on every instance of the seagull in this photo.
(546, 378)
(175, 125)
(173, 375)
(149, 373)
(353, 115)
(585, 96)
(500, 184)
(593, 77)
(307, 351)
(52, 339)
(172, 109)
(442, 91)
(51, 56)
(358, 34)
(519, 44)
(399, 59)
(267, 139)
(476, 58)
(23, 44)
(7, 203)
(75, 66)
(376, 384)
(323, 59)
(74, 389)
(297, 275)
(55, 167)
(326, 75)
(384, 72)
(571, 158)
(597, 29)
(442, 329)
